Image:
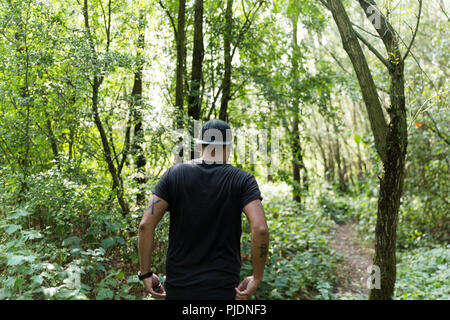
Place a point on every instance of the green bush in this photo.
(62, 242)
(424, 274)
(421, 225)
(334, 206)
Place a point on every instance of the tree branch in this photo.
(441, 5)
(366, 31)
(372, 48)
(363, 40)
(372, 101)
(383, 27)
(415, 31)
(436, 129)
(172, 22)
(247, 24)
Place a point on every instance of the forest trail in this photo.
(357, 258)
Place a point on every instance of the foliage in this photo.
(423, 274)
(335, 208)
(63, 243)
(300, 264)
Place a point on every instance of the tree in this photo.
(194, 100)
(226, 83)
(181, 67)
(98, 78)
(136, 109)
(390, 138)
(229, 50)
(297, 153)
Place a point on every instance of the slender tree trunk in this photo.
(391, 188)
(195, 102)
(117, 185)
(226, 84)
(23, 56)
(179, 91)
(324, 156)
(195, 96)
(71, 143)
(136, 95)
(340, 162)
(297, 153)
(331, 165)
(52, 138)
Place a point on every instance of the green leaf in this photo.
(133, 279)
(18, 213)
(65, 293)
(5, 293)
(37, 279)
(31, 234)
(108, 242)
(19, 259)
(11, 228)
(71, 241)
(105, 293)
(50, 292)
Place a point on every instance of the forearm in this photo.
(260, 247)
(145, 247)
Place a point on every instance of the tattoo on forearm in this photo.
(153, 204)
(263, 249)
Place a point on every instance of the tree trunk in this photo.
(71, 143)
(226, 83)
(391, 188)
(179, 91)
(297, 153)
(52, 138)
(195, 97)
(136, 95)
(117, 185)
(195, 102)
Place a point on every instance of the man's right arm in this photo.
(260, 246)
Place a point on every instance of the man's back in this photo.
(205, 198)
(205, 204)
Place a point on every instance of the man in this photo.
(206, 198)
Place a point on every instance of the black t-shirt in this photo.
(205, 204)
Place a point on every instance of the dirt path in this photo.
(353, 274)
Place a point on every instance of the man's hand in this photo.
(154, 287)
(249, 286)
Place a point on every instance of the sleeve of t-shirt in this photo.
(250, 191)
(162, 187)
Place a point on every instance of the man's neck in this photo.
(212, 160)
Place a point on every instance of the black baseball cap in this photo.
(215, 132)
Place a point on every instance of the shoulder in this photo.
(180, 168)
(240, 172)
(176, 168)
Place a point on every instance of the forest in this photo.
(339, 108)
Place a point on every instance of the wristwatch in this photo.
(144, 276)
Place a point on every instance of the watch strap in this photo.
(145, 275)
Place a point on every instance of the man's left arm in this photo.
(152, 215)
